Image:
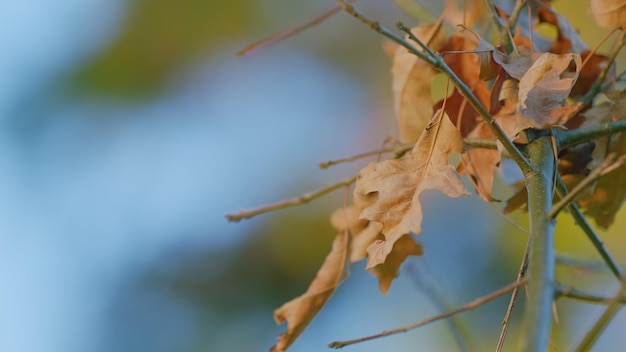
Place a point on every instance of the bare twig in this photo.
(423, 281)
(327, 164)
(573, 293)
(291, 31)
(469, 306)
(609, 164)
(305, 198)
(585, 264)
(581, 220)
(519, 6)
(592, 334)
(509, 310)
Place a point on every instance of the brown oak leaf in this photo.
(389, 191)
(610, 190)
(386, 272)
(300, 311)
(544, 88)
(362, 232)
(411, 81)
(609, 13)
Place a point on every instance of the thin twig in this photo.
(573, 293)
(469, 306)
(305, 198)
(608, 164)
(517, 10)
(591, 265)
(423, 281)
(592, 334)
(581, 220)
(327, 164)
(509, 310)
(291, 31)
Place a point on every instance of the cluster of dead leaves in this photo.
(535, 86)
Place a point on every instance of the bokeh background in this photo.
(130, 128)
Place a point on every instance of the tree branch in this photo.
(573, 293)
(597, 329)
(538, 314)
(568, 138)
(581, 220)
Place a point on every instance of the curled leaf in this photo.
(543, 90)
(300, 311)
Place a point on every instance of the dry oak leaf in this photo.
(461, 57)
(567, 40)
(544, 88)
(411, 81)
(609, 13)
(362, 232)
(386, 272)
(300, 311)
(481, 163)
(610, 190)
(389, 191)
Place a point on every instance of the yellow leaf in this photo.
(544, 88)
(609, 13)
(300, 311)
(389, 191)
(411, 81)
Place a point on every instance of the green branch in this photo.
(593, 333)
(568, 138)
(581, 221)
(573, 293)
(538, 314)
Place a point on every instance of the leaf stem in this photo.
(509, 310)
(305, 198)
(469, 306)
(538, 313)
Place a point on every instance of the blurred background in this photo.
(130, 128)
